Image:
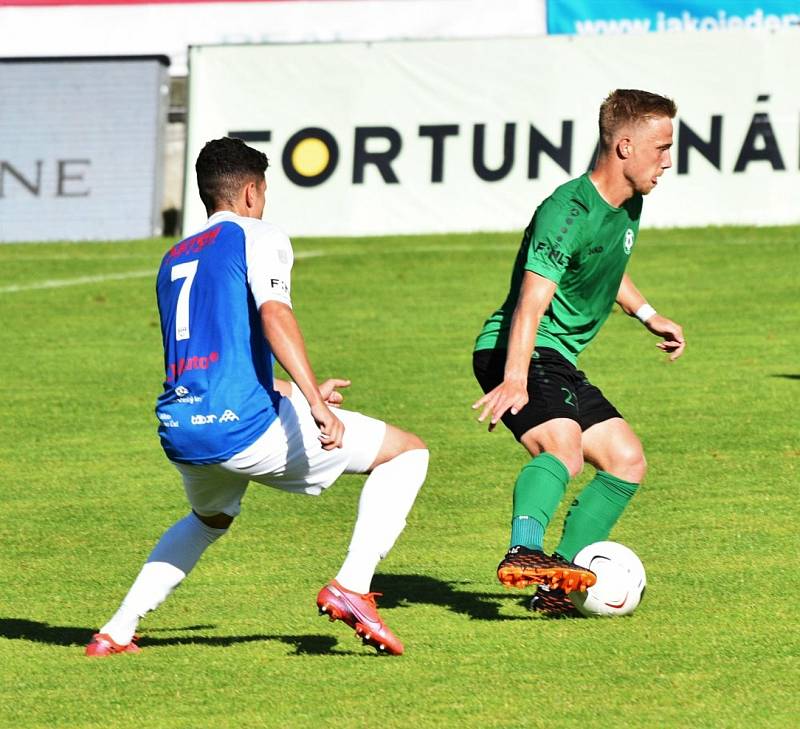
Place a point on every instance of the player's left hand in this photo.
(329, 393)
(672, 334)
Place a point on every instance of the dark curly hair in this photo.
(223, 167)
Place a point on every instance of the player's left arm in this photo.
(633, 303)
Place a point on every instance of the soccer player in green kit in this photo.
(568, 273)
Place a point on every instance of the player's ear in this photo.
(250, 193)
(624, 147)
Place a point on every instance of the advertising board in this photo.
(614, 17)
(413, 137)
(81, 148)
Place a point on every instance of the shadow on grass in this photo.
(402, 590)
(399, 591)
(36, 632)
(787, 377)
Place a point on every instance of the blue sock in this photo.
(527, 532)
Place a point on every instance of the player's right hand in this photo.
(331, 429)
(508, 396)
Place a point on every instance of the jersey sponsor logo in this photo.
(628, 241)
(203, 419)
(189, 400)
(280, 284)
(203, 362)
(556, 257)
(196, 243)
(185, 397)
(167, 421)
(227, 416)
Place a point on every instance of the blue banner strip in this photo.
(615, 17)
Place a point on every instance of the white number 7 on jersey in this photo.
(185, 271)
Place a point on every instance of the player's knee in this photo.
(569, 453)
(401, 441)
(573, 463)
(630, 464)
(414, 442)
(560, 438)
(572, 458)
(215, 521)
(395, 443)
(639, 468)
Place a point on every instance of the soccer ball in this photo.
(620, 582)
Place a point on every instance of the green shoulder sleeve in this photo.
(554, 236)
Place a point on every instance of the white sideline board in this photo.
(446, 136)
(81, 148)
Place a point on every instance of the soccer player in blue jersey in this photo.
(224, 298)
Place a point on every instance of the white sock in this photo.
(171, 560)
(385, 501)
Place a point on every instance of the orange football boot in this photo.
(553, 603)
(522, 567)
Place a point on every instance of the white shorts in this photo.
(288, 456)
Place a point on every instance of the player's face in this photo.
(648, 153)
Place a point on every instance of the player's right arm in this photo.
(555, 231)
(269, 266)
(511, 394)
(286, 341)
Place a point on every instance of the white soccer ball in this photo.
(621, 580)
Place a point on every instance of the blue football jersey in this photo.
(219, 395)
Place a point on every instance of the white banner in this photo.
(72, 28)
(420, 137)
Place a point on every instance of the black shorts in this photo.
(556, 389)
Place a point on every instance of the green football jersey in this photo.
(582, 244)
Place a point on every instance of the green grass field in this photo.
(86, 492)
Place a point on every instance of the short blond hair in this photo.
(630, 106)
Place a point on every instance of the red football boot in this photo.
(360, 613)
(102, 645)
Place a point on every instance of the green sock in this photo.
(527, 531)
(592, 515)
(537, 493)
